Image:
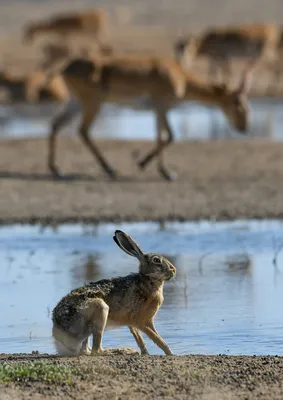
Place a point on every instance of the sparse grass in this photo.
(39, 372)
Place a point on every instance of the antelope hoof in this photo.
(168, 175)
(141, 164)
(55, 171)
(111, 173)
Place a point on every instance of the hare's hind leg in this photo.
(96, 316)
(90, 319)
(139, 339)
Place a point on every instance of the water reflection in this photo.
(239, 263)
(226, 297)
(190, 121)
(86, 269)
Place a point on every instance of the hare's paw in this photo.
(98, 352)
(85, 348)
(85, 351)
(144, 352)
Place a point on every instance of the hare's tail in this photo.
(63, 350)
(65, 345)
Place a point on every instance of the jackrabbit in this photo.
(132, 300)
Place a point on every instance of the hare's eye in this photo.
(156, 260)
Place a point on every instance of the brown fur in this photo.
(30, 88)
(135, 81)
(131, 301)
(53, 52)
(59, 53)
(93, 21)
(258, 41)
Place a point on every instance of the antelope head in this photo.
(235, 103)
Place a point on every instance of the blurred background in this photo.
(245, 30)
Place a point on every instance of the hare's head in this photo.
(152, 265)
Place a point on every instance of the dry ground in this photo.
(222, 180)
(153, 377)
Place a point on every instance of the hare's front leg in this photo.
(151, 332)
(96, 316)
(139, 339)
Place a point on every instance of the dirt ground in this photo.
(216, 180)
(155, 377)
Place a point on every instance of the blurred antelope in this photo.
(137, 82)
(30, 87)
(258, 41)
(89, 22)
(53, 53)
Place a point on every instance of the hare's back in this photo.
(71, 306)
(113, 291)
(115, 285)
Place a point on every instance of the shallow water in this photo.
(189, 122)
(227, 297)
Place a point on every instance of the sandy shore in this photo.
(219, 180)
(153, 377)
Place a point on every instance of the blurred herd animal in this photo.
(223, 44)
(138, 81)
(29, 87)
(91, 22)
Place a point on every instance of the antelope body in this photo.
(137, 82)
(30, 88)
(92, 22)
(258, 41)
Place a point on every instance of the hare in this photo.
(132, 301)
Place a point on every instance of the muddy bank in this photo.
(148, 377)
(221, 180)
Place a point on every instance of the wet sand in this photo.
(216, 180)
(155, 377)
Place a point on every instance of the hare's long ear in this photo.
(128, 245)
